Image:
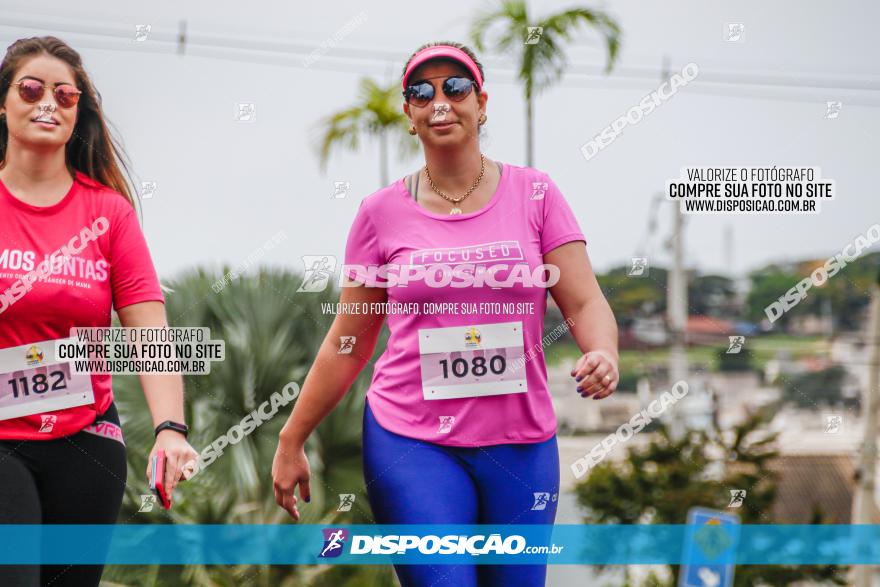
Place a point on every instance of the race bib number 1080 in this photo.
(471, 361)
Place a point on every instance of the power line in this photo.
(857, 89)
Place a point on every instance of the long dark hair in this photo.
(91, 150)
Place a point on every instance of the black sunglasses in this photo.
(456, 88)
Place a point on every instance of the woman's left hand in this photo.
(178, 452)
(596, 373)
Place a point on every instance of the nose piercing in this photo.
(47, 108)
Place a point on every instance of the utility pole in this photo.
(676, 307)
(676, 317)
(727, 250)
(864, 506)
(181, 38)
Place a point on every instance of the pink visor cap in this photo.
(444, 52)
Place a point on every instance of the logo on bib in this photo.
(472, 338)
(34, 355)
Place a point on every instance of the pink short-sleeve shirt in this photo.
(113, 270)
(471, 374)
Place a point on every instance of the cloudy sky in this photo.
(225, 187)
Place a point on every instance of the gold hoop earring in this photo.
(483, 119)
(412, 130)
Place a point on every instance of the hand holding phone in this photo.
(157, 478)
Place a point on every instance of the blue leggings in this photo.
(411, 481)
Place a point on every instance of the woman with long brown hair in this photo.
(71, 250)
(458, 426)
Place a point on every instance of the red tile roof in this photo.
(808, 482)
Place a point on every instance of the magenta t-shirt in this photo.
(470, 374)
(112, 271)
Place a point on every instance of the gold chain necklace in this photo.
(455, 201)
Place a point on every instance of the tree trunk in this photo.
(383, 158)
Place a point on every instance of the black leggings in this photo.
(77, 479)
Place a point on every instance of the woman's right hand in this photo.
(289, 469)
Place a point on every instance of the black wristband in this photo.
(171, 425)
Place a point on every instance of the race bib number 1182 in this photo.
(32, 381)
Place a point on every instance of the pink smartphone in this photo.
(157, 478)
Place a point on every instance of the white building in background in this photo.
(781, 364)
(851, 350)
(650, 330)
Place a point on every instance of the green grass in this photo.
(763, 349)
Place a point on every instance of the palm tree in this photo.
(271, 336)
(378, 114)
(541, 63)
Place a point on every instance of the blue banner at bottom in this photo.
(289, 544)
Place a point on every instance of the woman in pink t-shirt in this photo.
(71, 249)
(459, 424)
